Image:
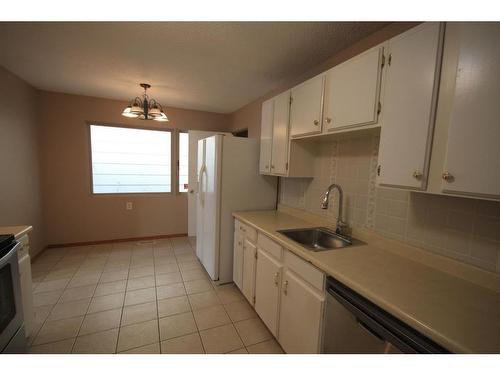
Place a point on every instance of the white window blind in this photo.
(183, 161)
(126, 160)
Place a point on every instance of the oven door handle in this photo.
(6, 258)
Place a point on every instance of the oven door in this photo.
(11, 312)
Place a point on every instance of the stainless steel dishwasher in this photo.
(356, 325)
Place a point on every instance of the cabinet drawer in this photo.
(265, 243)
(306, 270)
(247, 231)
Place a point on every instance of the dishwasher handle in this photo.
(368, 329)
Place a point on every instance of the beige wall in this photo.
(19, 150)
(249, 115)
(71, 212)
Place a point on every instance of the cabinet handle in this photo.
(447, 176)
(276, 275)
(328, 120)
(272, 166)
(417, 175)
(239, 243)
(267, 166)
(285, 287)
(316, 122)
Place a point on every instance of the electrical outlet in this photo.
(129, 206)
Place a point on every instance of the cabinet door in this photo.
(472, 159)
(266, 136)
(238, 260)
(306, 107)
(352, 91)
(279, 156)
(248, 279)
(409, 105)
(301, 316)
(267, 289)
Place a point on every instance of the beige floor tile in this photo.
(64, 273)
(41, 313)
(141, 272)
(141, 283)
(189, 266)
(69, 309)
(138, 261)
(135, 297)
(171, 290)
(137, 335)
(74, 294)
(265, 347)
(211, 317)
(172, 306)
(88, 279)
(186, 257)
(202, 300)
(221, 339)
(109, 302)
(177, 325)
(168, 278)
(252, 331)
(113, 287)
(165, 259)
(189, 344)
(146, 349)
(240, 310)
(49, 286)
(107, 277)
(189, 275)
(58, 347)
(101, 321)
(166, 268)
(58, 330)
(97, 343)
(139, 313)
(239, 351)
(197, 286)
(47, 298)
(229, 293)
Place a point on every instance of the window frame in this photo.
(173, 153)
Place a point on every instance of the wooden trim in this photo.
(116, 240)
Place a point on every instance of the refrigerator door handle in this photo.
(200, 184)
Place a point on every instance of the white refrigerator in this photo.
(228, 181)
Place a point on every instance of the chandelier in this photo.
(145, 108)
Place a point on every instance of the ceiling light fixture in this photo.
(145, 108)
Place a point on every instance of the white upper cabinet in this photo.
(307, 106)
(279, 155)
(472, 162)
(266, 136)
(412, 74)
(352, 91)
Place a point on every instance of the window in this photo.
(183, 162)
(126, 160)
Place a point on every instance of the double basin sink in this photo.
(319, 239)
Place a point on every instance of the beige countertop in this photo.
(457, 306)
(17, 230)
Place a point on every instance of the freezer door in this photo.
(210, 206)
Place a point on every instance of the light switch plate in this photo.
(129, 206)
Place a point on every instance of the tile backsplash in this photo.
(465, 229)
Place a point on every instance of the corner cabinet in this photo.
(412, 76)
(288, 294)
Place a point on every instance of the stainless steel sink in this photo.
(319, 239)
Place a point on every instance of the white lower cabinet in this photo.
(267, 289)
(301, 315)
(248, 278)
(286, 292)
(238, 260)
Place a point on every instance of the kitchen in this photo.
(351, 208)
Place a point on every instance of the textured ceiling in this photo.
(212, 66)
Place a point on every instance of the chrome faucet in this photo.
(341, 225)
